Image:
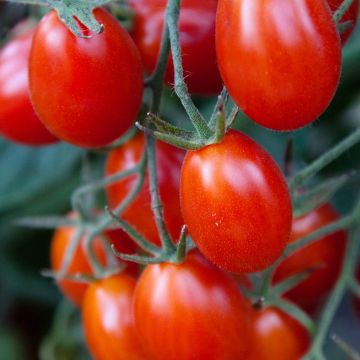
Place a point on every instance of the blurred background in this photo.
(34, 320)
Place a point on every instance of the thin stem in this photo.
(95, 264)
(341, 10)
(336, 296)
(156, 203)
(344, 223)
(172, 17)
(325, 160)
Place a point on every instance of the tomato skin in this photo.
(235, 203)
(197, 32)
(86, 91)
(327, 254)
(350, 15)
(61, 240)
(190, 311)
(18, 121)
(275, 335)
(139, 213)
(108, 320)
(284, 62)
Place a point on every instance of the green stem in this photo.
(172, 17)
(95, 264)
(156, 204)
(341, 10)
(336, 296)
(325, 160)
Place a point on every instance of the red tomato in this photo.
(235, 203)
(139, 213)
(197, 34)
(86, 91)
(108, 320)
(276, 336)
(190, 311)
(280, 60)
(326, 256)
(18, 121)
(61, 241)
(350, 15)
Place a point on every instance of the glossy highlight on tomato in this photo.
(108, 320)
(18, 121)
(352, 15)
(79, 264)
(87, 91)
(197, 41)
(275, 335)
(190, 311)
(139, 213)
(324, 257)
(236, 204)
(280, 60)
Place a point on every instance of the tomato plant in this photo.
(18, 121)
(323, 258)
(108, 320)
(276, 335)
(197, 31)
(79, 264)
(139, 214)
(87, 91)
(235, 203)
(182, 311)
(284, 62)
(350, 15)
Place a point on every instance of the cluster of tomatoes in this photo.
(281, 63)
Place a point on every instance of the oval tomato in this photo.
(86, 91)
(350, 15)
(324, 256)
(197, 33)
(108, 320)
(79, 264)
(236, 204)
(139, 213)
(275, 335)
(62, 238)
(280, 60)
(18, 121)
(190, 311)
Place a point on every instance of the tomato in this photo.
(86, 91)
(139, 213)
(350, 15)
(325, 256)
(280, 60)
(236, 204)
(18, 121)
(108, 320)
(190, 311)
(276, 336)
(197, 33)
(61, 241)
(80, 264)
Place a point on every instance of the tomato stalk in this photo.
(343, 8)
(324, 160)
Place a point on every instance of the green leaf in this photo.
(28, 172)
